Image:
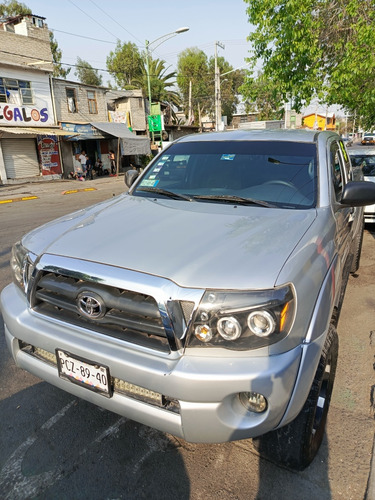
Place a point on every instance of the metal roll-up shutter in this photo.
(20, 158)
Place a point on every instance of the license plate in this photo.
(84, 372)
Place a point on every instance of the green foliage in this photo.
(229, 85)
(263, 96)
(58, 70)
(161, 82)
(13, 8)
(129, 69)
(194, 66)
(315, 48)
(87, 74)
(125, 64)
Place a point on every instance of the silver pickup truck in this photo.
(204, 302)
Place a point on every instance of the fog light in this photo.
(229, 328)
(203, 333)
(253, 401)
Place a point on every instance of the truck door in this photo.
(344, 216)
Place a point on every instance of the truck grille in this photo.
(95, 304)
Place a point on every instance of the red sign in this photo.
(49, 154)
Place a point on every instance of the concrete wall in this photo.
(21, 49)
(134, 104)
(82, 115)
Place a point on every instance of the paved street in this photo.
(54, 446)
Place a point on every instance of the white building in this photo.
(28, 134)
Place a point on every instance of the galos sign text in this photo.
(15, 114)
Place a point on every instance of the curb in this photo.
(25, 198)
(71, 191)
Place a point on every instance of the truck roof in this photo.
(259, 135)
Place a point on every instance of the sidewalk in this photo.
(26, 191)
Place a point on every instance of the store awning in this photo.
(132, 144)
(35, 130)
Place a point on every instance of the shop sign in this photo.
(85, 131)
(49, 154)
(11, 114)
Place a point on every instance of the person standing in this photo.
(89, 168)
(83, 159)
(112, 160)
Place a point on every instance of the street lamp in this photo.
(161, 40)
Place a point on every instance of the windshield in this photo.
(366, 163)
(268, 173)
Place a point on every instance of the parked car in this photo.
(347, 141)
(364, 160)
(205, 301)
(368, 139)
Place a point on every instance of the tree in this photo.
(161, 82)
(13, 8)
(194, 66)
(125, 64)
(87, 74)
(264, 97)
(58, 70)
(318, 48)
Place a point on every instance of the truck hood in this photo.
(194, 244)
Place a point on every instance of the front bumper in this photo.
(205, 383)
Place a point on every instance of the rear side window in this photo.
(337, 170)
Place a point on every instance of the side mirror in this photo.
(130, 177)
(358, 194)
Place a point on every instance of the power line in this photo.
(115, 21)
(95, 21)
(82, 36)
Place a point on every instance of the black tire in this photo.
(357, 249)
(295, 445)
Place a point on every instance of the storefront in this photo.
(27, 152)
(97, 139)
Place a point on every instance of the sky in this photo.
(105, 22)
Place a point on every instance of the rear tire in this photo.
(295, 445)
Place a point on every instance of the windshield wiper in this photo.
(165, 192)
(236, 199)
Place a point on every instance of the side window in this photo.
(337, 170)
(71, 100)
(347, 166)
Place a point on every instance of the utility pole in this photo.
(217, 89)
(191, 114)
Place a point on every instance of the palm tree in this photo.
(161, 82)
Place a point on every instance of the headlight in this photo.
(20, 265)
(243, 320)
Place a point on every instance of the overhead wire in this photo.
(115, 21)
(93, 19)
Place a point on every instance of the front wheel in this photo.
(296, 444)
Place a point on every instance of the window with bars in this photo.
(91, 97)
(14, 91)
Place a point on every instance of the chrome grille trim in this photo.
(140, 308)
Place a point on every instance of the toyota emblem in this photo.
(91, 305)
